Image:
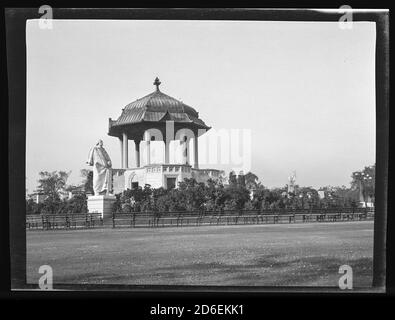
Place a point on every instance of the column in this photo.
(147, 138)
(148, 149)
(137, 152)
(125, 150)
(196, 152)
(167, 152)
(184, 150)
(121, 144)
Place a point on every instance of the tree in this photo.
(230, 204)
(52, 205)
(77, 204)
(52, 183)
(232, 179)
(116, 207)
(249, 205)
(193, 193)
(87, 181)
(215, 195)
(237, 196)
(251, 181)
(241, 181)
(308, 197)
(338, 196)
(32, 207)
(364, 182)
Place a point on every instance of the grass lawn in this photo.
(250, 255)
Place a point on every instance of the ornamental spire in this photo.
(157, 83)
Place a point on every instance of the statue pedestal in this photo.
(101, 204)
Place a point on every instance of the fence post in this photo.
(113, 219)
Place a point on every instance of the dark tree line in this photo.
(242, 192)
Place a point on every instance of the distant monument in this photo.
(102, 201)
(292, 183)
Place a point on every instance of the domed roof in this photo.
(158, 107)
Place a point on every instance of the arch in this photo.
(132, 179)
(185, 135)
(184, 132)
(153, 134)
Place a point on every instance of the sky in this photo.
(301, 93)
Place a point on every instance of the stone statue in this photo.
(101, 162)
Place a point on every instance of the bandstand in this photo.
(158, 117)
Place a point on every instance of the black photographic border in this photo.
(16, 68)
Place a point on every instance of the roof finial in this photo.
(157, 83)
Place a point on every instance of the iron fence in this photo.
(195, 218)
(229, 217)
(63, 221)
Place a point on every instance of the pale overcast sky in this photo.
(305, 90)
